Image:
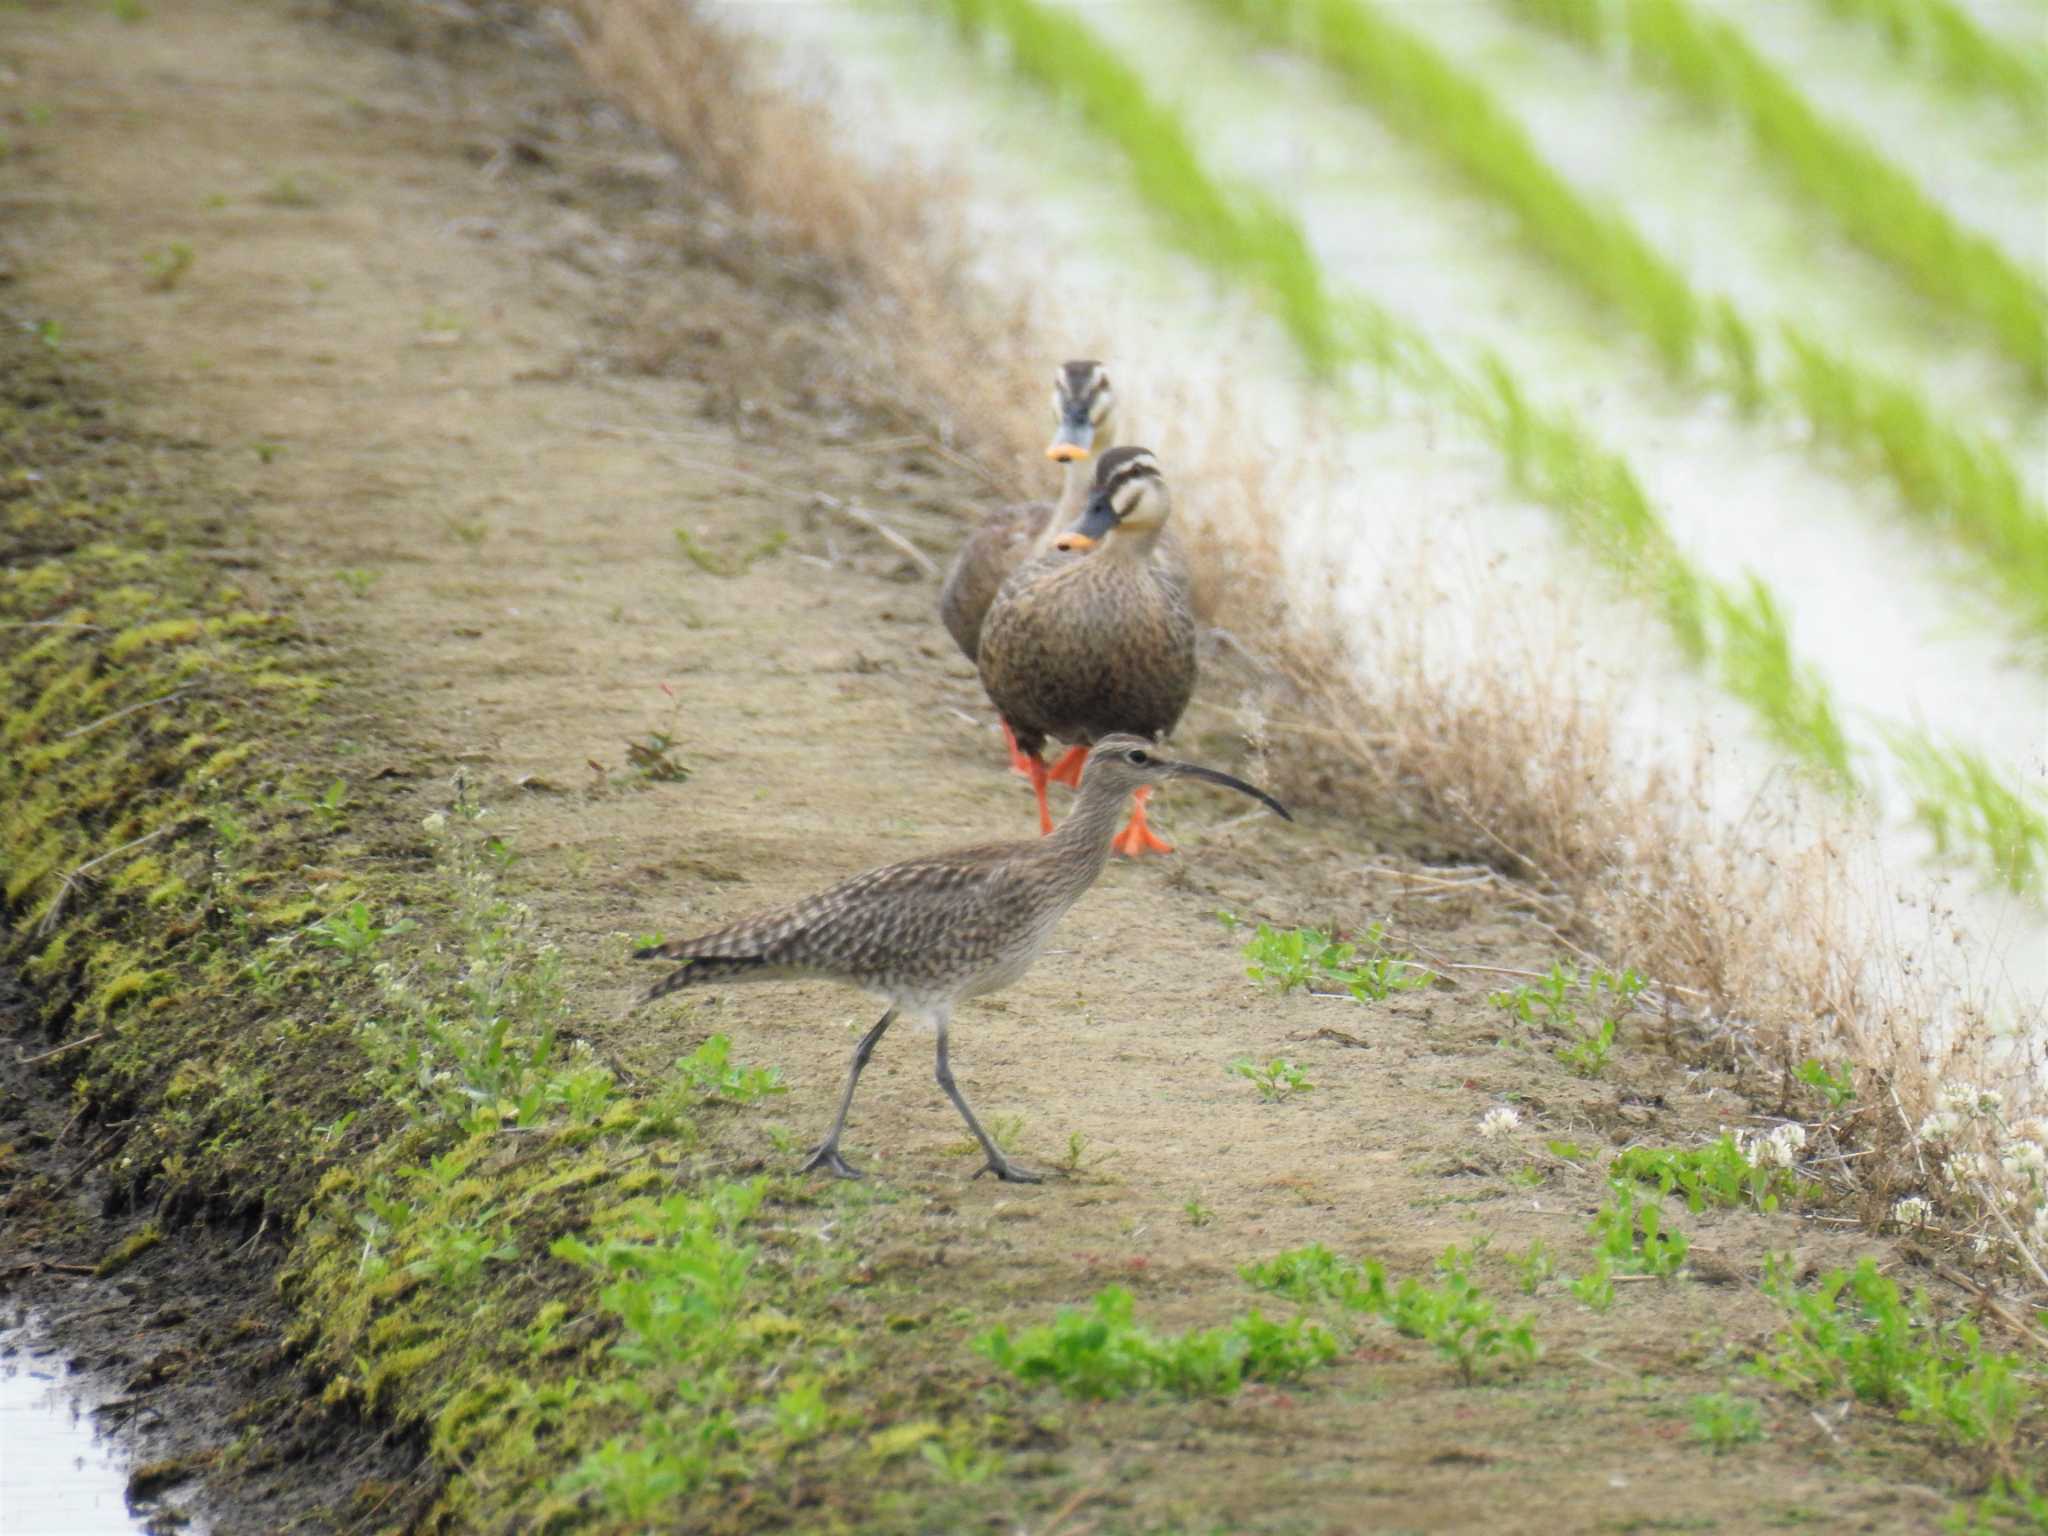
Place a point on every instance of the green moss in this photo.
(128, 1250)
(164, 632)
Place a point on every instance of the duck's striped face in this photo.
(1081, 404)
(1130, 493)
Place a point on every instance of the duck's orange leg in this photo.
(1035, 771)
(1019, 762)
(1067, 770)
(1137, 838)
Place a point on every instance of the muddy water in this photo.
(1393, 514)
(58, 1475)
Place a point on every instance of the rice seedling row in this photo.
(1735, 631)
(1879, 207)
(1944, 41)
(1962, 485)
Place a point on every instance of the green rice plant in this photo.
(1426, 98)
(1944, 39)
(1872, 201)
(1232, 228)
(1854, 1334)
(1971, 811)
(1105, 1353)
(1964, 485)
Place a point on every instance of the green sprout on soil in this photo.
(1724, 1421)
(1277, 1081)
(1631, 1235)
(1836, 1085)
(710, 1073)
(1546, 1005)
(1721, 1173)
(1855, 1334)
(354, 934)
(715, 564)
(1453, 1316)
(1302, 957)
(1105, 1353)
(165, 266)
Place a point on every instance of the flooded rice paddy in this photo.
(1384, 502)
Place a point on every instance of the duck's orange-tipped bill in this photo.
(1074, 541)
(1072, 441)
(1065, 453)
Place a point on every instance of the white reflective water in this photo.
(1393, 503)
(58, 1475)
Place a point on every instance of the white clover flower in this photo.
(436, 824)
(1784, 1145)
(1911, 1211)
(1940, 1126)
(2027, 1160)
(1968, 1101)
(1498, 1121)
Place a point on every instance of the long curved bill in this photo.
(1195, 771)
(1074, 439)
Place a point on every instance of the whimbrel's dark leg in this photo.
(827, 1153)
(997, 1164)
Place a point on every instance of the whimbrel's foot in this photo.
(827, 1156)
(1138, 839)
(1067, 770)
(1008, 1171)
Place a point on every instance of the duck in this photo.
(1096, 637)
(1084, 415)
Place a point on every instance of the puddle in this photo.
(58, 1475)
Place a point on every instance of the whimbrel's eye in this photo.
(1137, 755)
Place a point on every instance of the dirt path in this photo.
(513, 408)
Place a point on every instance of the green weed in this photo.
(1632, 1236)
(164, 266)
(1836, 1085)
(1723, 1421)
(1855, 1334)
(709, 1073)
(1104, 1353)
(1720, 1173)
(1288, 958)
(1277, 1081)
(353, 934)
(1548, 1005)
(1453, 1316)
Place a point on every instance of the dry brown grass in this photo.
(1758, 953)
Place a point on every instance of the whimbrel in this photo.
(1078, 646)
(1084, 413)
(927, 933)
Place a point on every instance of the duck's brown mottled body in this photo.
(1087, 640)
(929, 932)
(1080, 646)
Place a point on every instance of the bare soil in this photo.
(506, 403)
